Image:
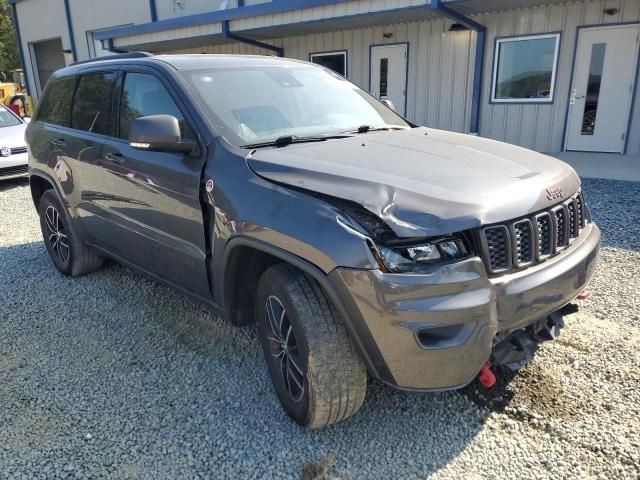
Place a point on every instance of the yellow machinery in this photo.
(13, 94)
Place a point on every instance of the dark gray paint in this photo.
(423, 182)
(150, 211)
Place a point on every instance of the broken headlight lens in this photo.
(414, 258)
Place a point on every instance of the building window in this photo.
(336, 61)
(524, 69)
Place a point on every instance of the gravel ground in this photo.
(111, 375)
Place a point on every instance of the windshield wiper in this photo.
(374, 128)
(290, 139)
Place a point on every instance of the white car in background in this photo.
(13, 148)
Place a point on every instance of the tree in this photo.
(9, 59)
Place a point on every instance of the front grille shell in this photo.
(529, 240)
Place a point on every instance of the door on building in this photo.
(49, 57)
(389, 74)
(602, 88)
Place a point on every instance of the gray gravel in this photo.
(112, 375)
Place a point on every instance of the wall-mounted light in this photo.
(610, 11)
(457, 27)
(68, 57)
(387, 35)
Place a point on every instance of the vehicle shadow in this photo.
(152, 364)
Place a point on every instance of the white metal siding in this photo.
(440, 68)
(441, 64)
(172, 8)
(174, 34)
(101, 14)
(541, 127)
(33, 29)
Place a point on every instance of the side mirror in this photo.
(158, 133)
(26, 119)
(388, 103)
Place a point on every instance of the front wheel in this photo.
(318, 377)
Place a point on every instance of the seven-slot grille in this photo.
(525, 241)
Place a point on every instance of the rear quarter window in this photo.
(55, 105)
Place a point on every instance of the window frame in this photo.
(554, 70)
(344, 53)
(37, 114)
(181, 104)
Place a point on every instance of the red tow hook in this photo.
(486, 377)
(583, 295)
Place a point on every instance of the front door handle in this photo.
(114, 157)
(58, 142)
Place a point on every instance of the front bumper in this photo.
(14, 166)
(434, 331)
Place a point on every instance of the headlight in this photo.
(417, 257)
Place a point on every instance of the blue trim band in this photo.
(481, 32)
(260, 9)
(153, 9)
(72, 40)
(23, 64)
(476, 93)
(249, 41)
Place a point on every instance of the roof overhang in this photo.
(284, 18)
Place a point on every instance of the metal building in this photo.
(551, 75)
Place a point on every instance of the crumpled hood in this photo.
(423, 182)
(13, 136)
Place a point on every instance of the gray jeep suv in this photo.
(278, 192)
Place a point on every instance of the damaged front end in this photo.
(517, 349)
(401, 255)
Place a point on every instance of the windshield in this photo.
(251, 105)
(8, 119)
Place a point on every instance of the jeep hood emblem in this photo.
(554, 193)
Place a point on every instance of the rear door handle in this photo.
(114, 157)
(58, 142)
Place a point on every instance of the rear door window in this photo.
(55, 106)
(142, 95)
(92, 103)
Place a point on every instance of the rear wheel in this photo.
(317, 375)
(67, 252)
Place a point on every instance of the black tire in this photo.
(67, 252)
(311, 337)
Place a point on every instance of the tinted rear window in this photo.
(55, 106)
(92, 103)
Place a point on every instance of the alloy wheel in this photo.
(56, 234)
(284, 349)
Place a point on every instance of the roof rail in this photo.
(118, 56)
